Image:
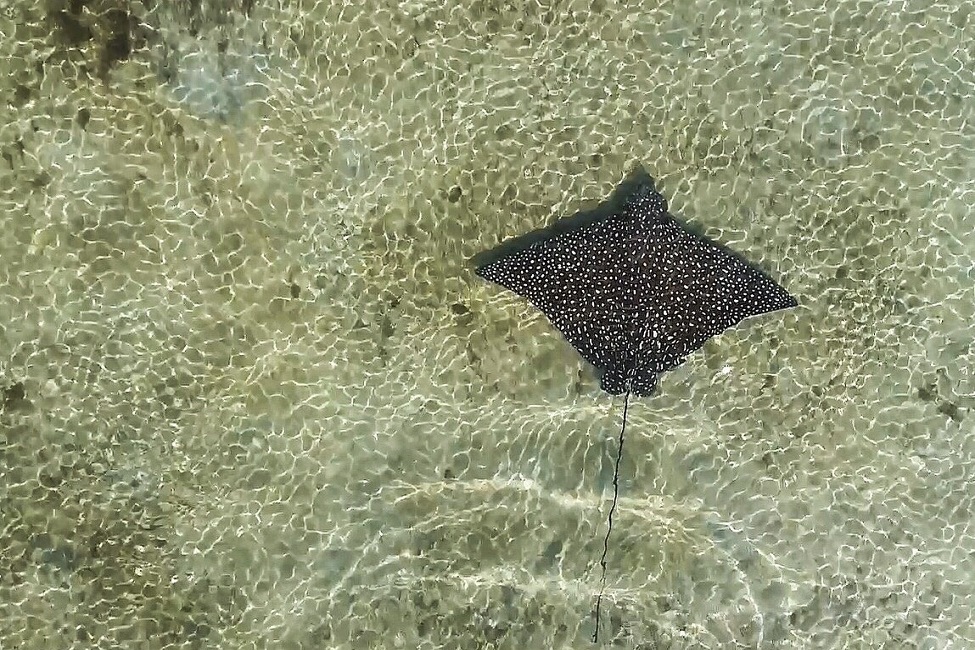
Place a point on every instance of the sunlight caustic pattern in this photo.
(252, 394)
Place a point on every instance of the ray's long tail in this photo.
(609, 525)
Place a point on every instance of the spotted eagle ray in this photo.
(633, 291)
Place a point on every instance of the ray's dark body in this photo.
(633, 290)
